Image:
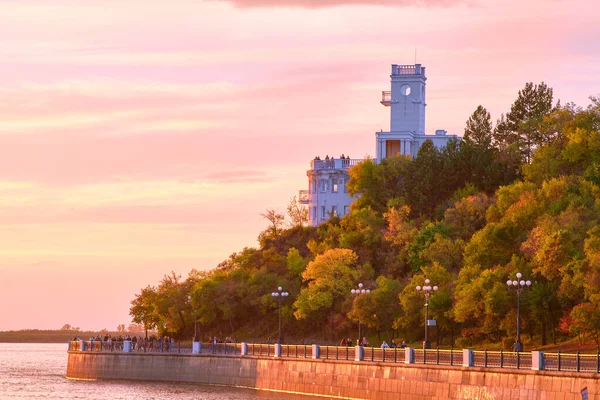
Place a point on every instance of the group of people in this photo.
(138, 343)
(364, 342)
(393, 345)
(330, 162)
(342, 157)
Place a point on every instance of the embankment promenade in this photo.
(352, 373)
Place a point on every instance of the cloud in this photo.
(336, 3)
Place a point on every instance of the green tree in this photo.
(440, 303)
(522, 126)
(143, 309)
(478, 131)
(380, 308)
(275, 227)
(297, 212)
(329, 278)
(586, 318)
(377, 186)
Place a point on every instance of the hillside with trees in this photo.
(519, 195)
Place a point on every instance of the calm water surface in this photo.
(37, 371)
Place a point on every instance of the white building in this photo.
(327, 194)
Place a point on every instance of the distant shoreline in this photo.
(49, 336)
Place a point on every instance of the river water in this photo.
(37, 371)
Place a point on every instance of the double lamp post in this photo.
(427, 291)
(279, 295)
(195, 320)
(518, 285)
(356, 292)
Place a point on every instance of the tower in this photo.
(327, 194)
(406, 100)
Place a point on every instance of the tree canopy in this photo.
(521, 196)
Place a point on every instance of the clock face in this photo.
(405, 90)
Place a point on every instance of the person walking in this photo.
(384, 345)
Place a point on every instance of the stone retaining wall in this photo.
(339, 379)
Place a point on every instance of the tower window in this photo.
(334, 211)
(334, 187)
(346, 210)
(404, 90)
(314, 213)
(323, 214)
(323, 185)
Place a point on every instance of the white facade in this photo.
(327, 194)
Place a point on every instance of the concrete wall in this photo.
(341, 379)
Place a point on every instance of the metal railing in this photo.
(502, 359)
(296, 350)
(335, 163)
(572, 362)
(439, 356)
(155, 347)
(376, 354)
(337, 352)
(386, 96)
(304, 196)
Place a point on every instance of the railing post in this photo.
(316, 351)
(558, 360)
(518, 359)
(383, 354)
(501, 358)
(395, 355)
(485, 358)
(409, 355)
(277, 352)
(537, 360)
(359, 353)
(452, 355)
(196, 346)
(437, 356)
(578, 360)
(598, 361)
(327, 352)
(468, 358)
(372, 353)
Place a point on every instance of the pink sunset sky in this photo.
(143, 137)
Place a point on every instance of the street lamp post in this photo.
(279, 295)
(356, 292)
(427, 291)
(195, 321)
(518, 285)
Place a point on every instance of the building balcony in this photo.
(304, 196)
(335, 163)
(386, 98)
